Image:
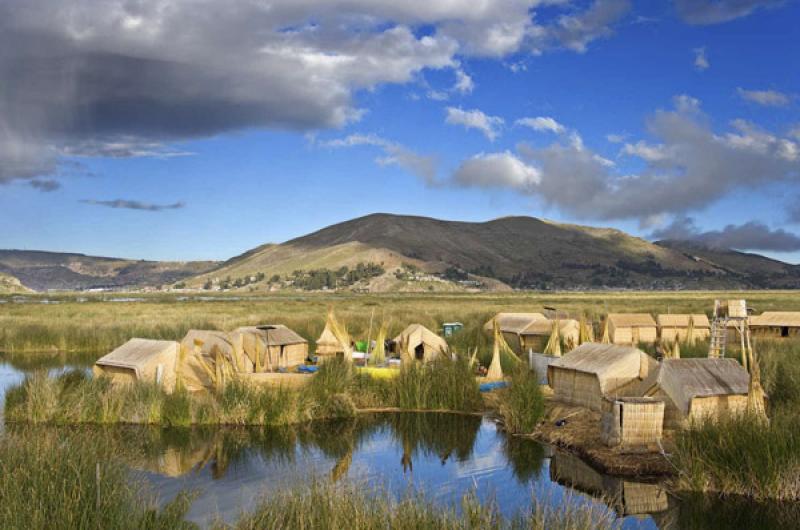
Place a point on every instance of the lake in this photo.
(442, 455)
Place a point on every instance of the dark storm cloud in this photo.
(752, 235)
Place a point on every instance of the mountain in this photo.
(523, 252)
(754, 270)
(41, 271)
(9, 284)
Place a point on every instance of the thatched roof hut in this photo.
(327, 344)
(694, 389)
(201, 346)
(141, 360)
(271, 346)
(631, 328)
(594, 371)
(511, 325)
(420, 343)
(776, 324)
(535, 335)
(676, 327)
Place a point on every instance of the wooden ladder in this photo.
(719, 337)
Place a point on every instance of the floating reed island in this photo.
(621, 394)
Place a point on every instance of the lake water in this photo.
(443, 455)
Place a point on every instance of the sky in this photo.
(197, 129)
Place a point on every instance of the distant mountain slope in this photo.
(9, 284)
(518, 251)
(753, 269)
(41, 270)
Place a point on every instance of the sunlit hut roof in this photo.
(416, 334)
(211, 340)
(631, 320)
(699, 320)
(136, 354)
(610, 362)
(274, 334)
(545, 327)
(327, 338)
(513, 322)
(685, 379)
(776, 319)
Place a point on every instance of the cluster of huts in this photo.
(205, 358)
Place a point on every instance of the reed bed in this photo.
(521, 405)
(360, 507)
(73, 480)
(336, 391)
(92, 324)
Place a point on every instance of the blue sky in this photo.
(242, 127)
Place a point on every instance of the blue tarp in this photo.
(488, 387)
(303, 369)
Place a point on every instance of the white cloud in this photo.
(700, 59)
(577, 30)
(497, 170)
(769, 98)
(615, 138)
(542, 123)
(464, 83)
(475, 119)
(423, 166)
(687, 166)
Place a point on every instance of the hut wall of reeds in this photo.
(694, 390)
(141, 360)
(208, 347)
(511, 325)
(272, 347)
(674, 328)
(535, 335)
(632, 328)
(776, 325)
(632, 422)
(591, 372)
(420, 343)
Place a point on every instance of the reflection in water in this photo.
(625, 496)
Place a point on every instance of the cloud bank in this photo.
(135, 205)
(748, 236)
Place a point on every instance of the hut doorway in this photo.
(785, 331)
(419, 352)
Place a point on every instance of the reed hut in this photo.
(143, 360)
(674, 328)
(511, 325)
(632, 328)
(202, 350)
(271, 347)
(328, 346)
(420, 343)
(697, 389)
(535, 335)
(591, 372)
(632, 422)
(776, 325)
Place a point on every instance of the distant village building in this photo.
(632, 328)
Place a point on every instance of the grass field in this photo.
(93, 324)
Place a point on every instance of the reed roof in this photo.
(545, 327)
(513, 322)
(685, 379)
(699, 320)
(136, 354)
(631, 320)
(274, 334)
(609, 362)
(776, 318)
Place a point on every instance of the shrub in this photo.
(522, 403)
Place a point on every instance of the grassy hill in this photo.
(512, 251)
(41, 271)
(11, 285)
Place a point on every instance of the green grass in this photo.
(522, 403)
(336, 391)
(356, 507)
(73, 480)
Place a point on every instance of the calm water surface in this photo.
(443, 455)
